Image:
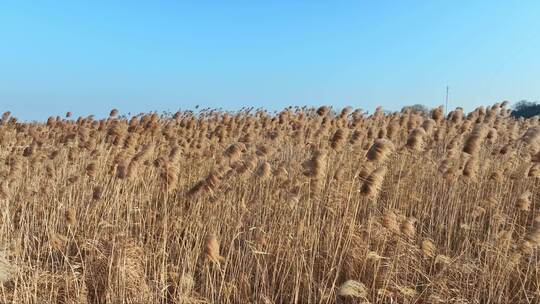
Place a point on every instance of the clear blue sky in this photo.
(90, 56)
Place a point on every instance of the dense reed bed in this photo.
(301, 206)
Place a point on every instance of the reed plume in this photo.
(316, 165)
(407, 228)
(373, 183)
(473, 142)
(471, 168)
(415, 141)
(437, 114)
(428, 248)
(380, 150)
(338, 139)
(390, 221)
(264, 171)
(353, 289)
(211, 248)
(524, 202)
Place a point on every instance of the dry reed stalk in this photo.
(115, 269)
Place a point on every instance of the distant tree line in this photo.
(416, 108)
(522, 108)
(526, 109)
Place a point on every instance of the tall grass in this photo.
(302, 206)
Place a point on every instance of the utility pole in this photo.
(446, 106)
(446, 112)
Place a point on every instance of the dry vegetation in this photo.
(304, 206)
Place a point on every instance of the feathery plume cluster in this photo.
(390, 221)
(428, 248)
(471, 168)
(315, 169)
(264, 171)
(380, 150)
(532, 137)
(524, 202)
(338, 139)
(373, 183)
(352, 288)
(211, 248)
(407, 228)
(473, 142)
(415, 141)
(209, 184)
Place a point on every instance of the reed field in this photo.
(306, 205)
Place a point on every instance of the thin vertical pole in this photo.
(446, 106)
